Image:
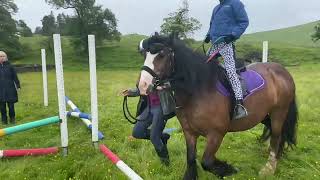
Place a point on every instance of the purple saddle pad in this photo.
(253, 82)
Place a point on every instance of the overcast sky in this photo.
(146, 16)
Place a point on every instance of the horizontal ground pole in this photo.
(27, 126)
(120, 164)
(28, 152)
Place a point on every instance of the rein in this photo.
(203, 48)
(131, 119)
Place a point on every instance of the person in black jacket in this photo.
(9, 83)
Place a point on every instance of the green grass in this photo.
(84, 162)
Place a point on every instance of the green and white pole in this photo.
(27, 126)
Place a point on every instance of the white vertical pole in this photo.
(61, 93)
(44, 77)
(265, 51)
(93, 88)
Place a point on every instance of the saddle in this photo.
(250, 80)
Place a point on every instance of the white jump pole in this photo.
(265, 52)
(61, 93)
(93, 89)
(44, 77)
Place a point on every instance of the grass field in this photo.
(118, 66)
(84, 162)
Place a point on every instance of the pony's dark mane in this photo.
(192, 73)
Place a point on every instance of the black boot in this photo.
(163, 155)
(165, 137)
(4, 120)
(239, 111)
(13, 120)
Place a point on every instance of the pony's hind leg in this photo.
(278, 118)
(210, 162)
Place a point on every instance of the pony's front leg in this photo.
(210, 162)
(191, 142)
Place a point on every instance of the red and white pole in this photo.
(120, 164)
(28, 152)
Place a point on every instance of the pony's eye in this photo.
(153, 50)
(162, 53)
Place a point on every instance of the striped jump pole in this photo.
(71, 104)
(28, 152)
(27, 126)
(77, 113)
(170, 130)
(120, 164)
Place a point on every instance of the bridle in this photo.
(157, 81)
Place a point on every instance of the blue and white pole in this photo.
(77, 113)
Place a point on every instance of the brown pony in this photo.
(203, 111)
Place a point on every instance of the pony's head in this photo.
(168, 58)
(159, 60)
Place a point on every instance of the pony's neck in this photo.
(193, 74)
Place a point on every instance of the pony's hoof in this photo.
(267, 170)
(190, 176)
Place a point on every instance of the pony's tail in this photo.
(289, 129)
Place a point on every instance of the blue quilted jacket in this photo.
(228, 18)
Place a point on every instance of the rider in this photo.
(229, 21)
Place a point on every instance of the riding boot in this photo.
(239, 111)
(13, 120)
(165, 137)
(163, 155)
(4, 121)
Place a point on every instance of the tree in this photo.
(49, 25)
(38, 30)
(9, 6)
(316, 35)
(9, 41)
(180, 22)
(88, 19)
(23, 29)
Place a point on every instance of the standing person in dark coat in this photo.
(9, 83)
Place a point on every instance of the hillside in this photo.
(286, 46)
(296, 36)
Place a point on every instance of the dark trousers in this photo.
(157, 122)
(3, 109)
